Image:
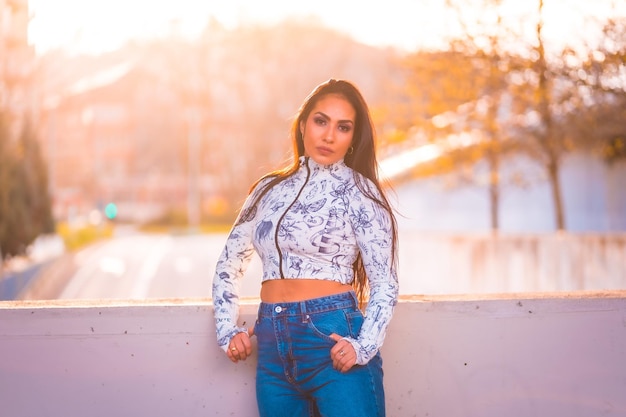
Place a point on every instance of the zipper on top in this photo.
(280, 219)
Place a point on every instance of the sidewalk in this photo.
(16, 273)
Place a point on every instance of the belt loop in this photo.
(303, 313)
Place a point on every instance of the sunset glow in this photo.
(94, 26)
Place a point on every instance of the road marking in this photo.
(149, 268)
(87, 263)
(113, 265)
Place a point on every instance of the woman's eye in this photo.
(319, 121)
(345, 128)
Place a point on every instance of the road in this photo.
(134, 265)
(143, 266)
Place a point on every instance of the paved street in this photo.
(140, 266)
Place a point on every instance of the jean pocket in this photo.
(342, 322)
(355, 321)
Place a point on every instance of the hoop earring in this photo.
(350, 150)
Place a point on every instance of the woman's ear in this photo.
(302, 128)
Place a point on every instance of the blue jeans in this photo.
(295, 374)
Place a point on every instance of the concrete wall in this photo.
(533, 355)
(435, 263)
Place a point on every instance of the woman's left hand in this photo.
(342, 354)
(240, 347)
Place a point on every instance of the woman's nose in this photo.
(328, 135)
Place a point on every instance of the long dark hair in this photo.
(362, 160)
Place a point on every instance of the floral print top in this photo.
(312, 225)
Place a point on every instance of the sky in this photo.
(92, 25)
(95, 26)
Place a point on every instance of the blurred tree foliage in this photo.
(465, 90)
(25, 209)
(601, 126)
(577, 94)
(513, 96)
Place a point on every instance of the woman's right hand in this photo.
(240, 346)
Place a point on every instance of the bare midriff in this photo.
(290, 290)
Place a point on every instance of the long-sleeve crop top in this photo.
(313, 224)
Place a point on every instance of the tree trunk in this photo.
(494, 190)
(555, 187)
(548, 141)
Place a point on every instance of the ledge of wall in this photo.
(493, 355)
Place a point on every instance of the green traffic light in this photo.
(110, 211)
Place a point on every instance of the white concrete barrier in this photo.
(436, 263)
(532, 355)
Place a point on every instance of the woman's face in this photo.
(328, 130)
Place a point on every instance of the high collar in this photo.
(315, 166)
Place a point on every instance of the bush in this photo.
(76, 237)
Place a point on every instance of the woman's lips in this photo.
(324, 151)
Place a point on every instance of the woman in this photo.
(326, 234)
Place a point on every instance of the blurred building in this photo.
(17, 58)
(108, 136)
(170, 124)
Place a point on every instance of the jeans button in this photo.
(278, 309)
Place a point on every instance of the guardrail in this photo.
(526, 355)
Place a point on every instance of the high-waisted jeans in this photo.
(295, 374)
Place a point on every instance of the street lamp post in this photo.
(193, 170)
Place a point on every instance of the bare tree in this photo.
(569, 94)
(520, 96)
(469, 83)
